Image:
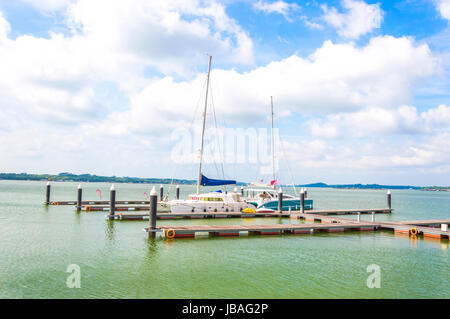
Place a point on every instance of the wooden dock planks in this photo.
(234, 230)
(99, 202)
(189, 215)
(327, 224)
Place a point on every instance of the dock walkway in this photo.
(293, 214)
(327, 224)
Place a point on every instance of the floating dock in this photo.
(293, 214)
(98, 202)
(276, 229)
(437, 229)
(327, 224)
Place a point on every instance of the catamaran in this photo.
(265, 196)
(213, 201)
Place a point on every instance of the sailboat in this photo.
(265, 196)
(213, 201)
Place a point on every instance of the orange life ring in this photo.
(170, 233)
(414, 231)
(88, 208)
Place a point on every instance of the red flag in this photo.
(274, 182)
(99, 192)
(146, 195)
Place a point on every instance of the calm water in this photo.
(117, 260)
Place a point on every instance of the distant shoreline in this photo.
(69, 177)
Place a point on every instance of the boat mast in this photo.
(273, 148)
(203, 128)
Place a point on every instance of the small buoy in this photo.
(170, 233)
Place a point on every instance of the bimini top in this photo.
(205, 181)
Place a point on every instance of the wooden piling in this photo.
(47, 194)
(79, 197)
(280, 201)
(161, 193)
(302, 201)
(112, 202)
(242, 191)
(153, 208)
(388, 195)
(177, 192)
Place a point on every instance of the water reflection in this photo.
(109, 230)
(152, 247)
(413, 241)
(78, 217)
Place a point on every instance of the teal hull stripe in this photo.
(292, 204)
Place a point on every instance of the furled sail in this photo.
(215, 182)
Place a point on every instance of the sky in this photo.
(361, 89)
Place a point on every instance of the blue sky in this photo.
(360, 87)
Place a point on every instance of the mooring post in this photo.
(373, 217)
(302, 201)
(280, 201)
(153, 211)
(389, 198)
(306, 193)
(242, 191)
(161, 193)
(177, 192)
(79, 197)
(359, 217)
(112, 202)
(47, 194)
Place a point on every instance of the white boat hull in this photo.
(195, 206)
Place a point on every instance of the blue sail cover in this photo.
(215, 182)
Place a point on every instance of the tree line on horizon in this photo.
(69, 177)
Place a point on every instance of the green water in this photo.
(118, 260)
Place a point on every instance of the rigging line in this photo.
(222, 154)
(217, 134)
(285, 159)
(213, 157)
(177, 165)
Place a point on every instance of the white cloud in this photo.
(280, 7)
(428, 155)
(361, 18)
(94, 79)
(49, 5)
(376, 121)
(335, 78)
(5, 28)
(438, 117)
(312, 25)
(444, 8)
(112, 44)
(170, 35)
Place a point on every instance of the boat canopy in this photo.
(215, 182)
